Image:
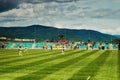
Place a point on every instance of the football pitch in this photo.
(37, 64)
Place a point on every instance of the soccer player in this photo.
(119, 46)
(62, 49)
(88, 46)
(25, 50)
(110, 46)
(51, 47)
(19, 51)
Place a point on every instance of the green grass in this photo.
(52, 65)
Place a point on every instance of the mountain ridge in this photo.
(49, 32)
(118, 36)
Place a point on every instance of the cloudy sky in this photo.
(100, 15)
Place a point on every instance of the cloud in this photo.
(6, 5)
(77, 14)
(43, 1)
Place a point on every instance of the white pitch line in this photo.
(88, 78)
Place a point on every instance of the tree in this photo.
(116, 41)
(61, 36)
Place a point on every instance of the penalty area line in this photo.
(88, 78)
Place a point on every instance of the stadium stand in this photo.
(39, 45)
